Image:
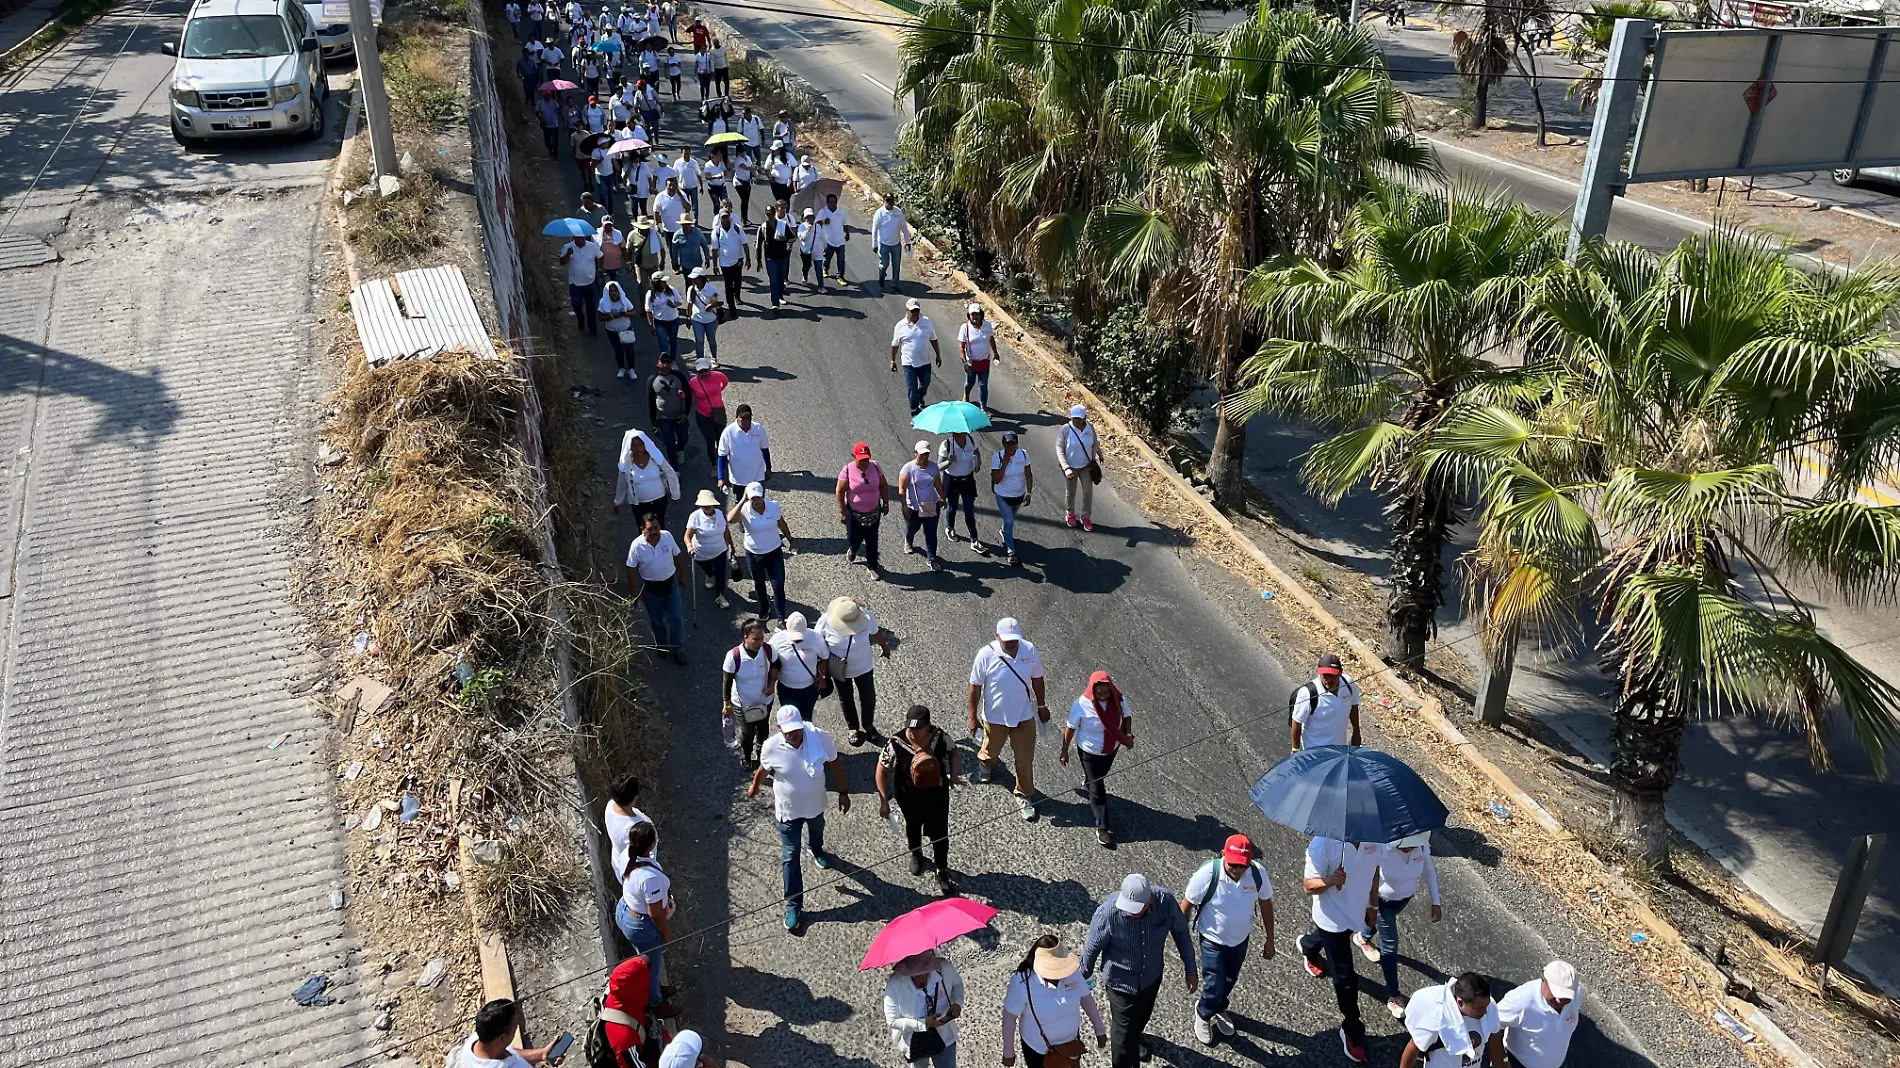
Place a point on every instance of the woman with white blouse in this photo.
(709, 539)
(1100, 723)
(1047, 998)
(923, 1000)
(645, 911)
(646, 480)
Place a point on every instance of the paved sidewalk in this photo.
(30, 19)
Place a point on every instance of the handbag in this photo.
(1061, 1054)
(926, 1043)
(628, 337)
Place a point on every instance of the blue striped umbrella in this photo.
(1349, 793)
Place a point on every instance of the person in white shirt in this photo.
(616, 315)
(653, 568)
(742, 167)
(786, 130)
(702, 66)
(924, 993)
(796, 759)
(1325, 711)
(670, 208)
(749, 689)
(908, 339)
(619, 817)
(1013, 483)
(1007, 703)
(1080, 453)
(713, 173)
(807, 247)
(1100, 723)
(1540, 1017)
(722, 68)
(1340, 877)
(709, 539)
(957, 457)
(767, 540)
(753, 128)
(732, 252)
(745, 450)
(832, 233)
(644, 913)
(1219, 902)
(705, 299)
(781, 169)
(1047, 998)
(495, 1023)
(582, 257)
(806, 175)
(893, 236)
(673, 72)
(976, 344)
(855, 642)
(1402, 866)
(804, 664)
(1453, 1026)
(688, 170)
(663, 313)
(646, 481)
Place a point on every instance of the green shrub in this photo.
(1147, 369)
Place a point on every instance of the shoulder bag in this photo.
(1061, 1054)
(926, 1043)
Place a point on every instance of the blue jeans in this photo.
(586, 304)
(776, 268)
(830, 251)
(691, 193)
(1388, 936)
(890, 260)
(645, 939)
(705, 337)
(667, 613)
(1006, 507)
(1220, 970)
(794, 873)
(979, 381)
(916, 384)
(667, 333)
(604, 191)
(672, 434)
(769, 567)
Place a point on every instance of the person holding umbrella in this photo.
(796, 760)
(1048, 997)
(1340, 880)
(923, 1000)
(916, 769)
(1100, 722)
(1128, 937)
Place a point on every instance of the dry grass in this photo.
(422, 94)
(531, 882)
(401, 226)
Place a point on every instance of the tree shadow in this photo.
(134, 409)
(1052, 904)
(756, 374)
(1469, 844)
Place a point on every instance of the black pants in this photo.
(745, 200)
(861, 534)
(551, 137)
(1127, 1021)
(710, 427)
(642, 509)
(927, 815)
(722, 78)
(1337, 946)
(752, 736)
(803, 698)
(781, 192)
(719, 569)
(705, 85)
(1031, 1059)
(866, 695)
(1095, 784)
(960, 489)
(735, 281)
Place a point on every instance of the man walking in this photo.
(1325, 711)
(797, 760)
(1339, 879)
(582, 260)
(1453, 1026)
(729, 247)
(745, 452)
(668, 405)
(1540, 1018)
(1128, 938)
(1007, 704)
(893, 235)
(916, 769)
(1081, 456)
(1219, 902)
(832, 234)
(908, 338)
(777, 235)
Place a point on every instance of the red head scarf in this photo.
(1111, 712)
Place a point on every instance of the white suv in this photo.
(247, 67)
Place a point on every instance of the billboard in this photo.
(1767, 101)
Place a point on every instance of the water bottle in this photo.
(897, 824)
(729, 730)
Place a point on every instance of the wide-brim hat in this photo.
(916, 964)
(1055, 962)
(846, 615)
(706, 499)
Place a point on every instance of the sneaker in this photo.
(917, 865)
(722, 602)
(909, 549)
(1028, 811)
(1068, 519)
(1203, 1032)
(1103, 836)
(1088, 524)
(936, 564)
(1366, 949)
(1312, 967)
(979, 548)
(1395, 1006)
(945, 884)
(1354, 1045)
(979, 774)
(954, 536)
(1224, 1024)
(1013, 560)
(822, 858)
(793, 919)
(622, 373)
(850, 556)
(709, 581)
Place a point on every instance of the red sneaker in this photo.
(1355, 1046)
(1087, 525)
(1313, 969)
(1068, 519)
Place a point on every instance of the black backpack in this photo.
(600, 1052)
(1311, 690)
(1213, 886)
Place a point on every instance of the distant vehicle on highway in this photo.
(1889, 176)
(247, 67)
(333, 35)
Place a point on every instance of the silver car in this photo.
(247, 68)
(1855, 175)
(334, 37)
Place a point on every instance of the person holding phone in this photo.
(495, 1023)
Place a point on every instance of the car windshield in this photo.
(235, 37)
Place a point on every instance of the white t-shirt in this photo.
(744, 452)
(582, 259)
(761, 528)
(663, 305)
(830, 225)
(1015, 481)
(1421, 1018)
(688, 170)
(619, 825)
(851, 654)
(978, 339)
(1227, 918)
(913, 340)
(1008, 695)
(798, 775)
(1090, 736)
(730, 241)
(1078, 446)
(889, 226)
(749, 672)
(704, 310)
(957, 461)
(1058, 1014)
(654, 561)
(647, 889)
(709, 533)
(1536, 1034)
(798, 660)
(1342, 908)
(464, 1056)
(670, 207)
(1400, 873)
(1331, 722)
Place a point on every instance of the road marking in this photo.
(877, 83)
(794, 33)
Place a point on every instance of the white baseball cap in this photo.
(754, 489)
(1079, 412)
(973, 309)
(912, 305)
(1008, 629)
(921, 446)
(1561, 978)
(790, 719)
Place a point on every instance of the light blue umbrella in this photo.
(1348, 793)
(951, 417)
(569, 228)
(608, 45)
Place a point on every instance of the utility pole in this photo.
(369, 82)
(1610, 135)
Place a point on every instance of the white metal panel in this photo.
(1819, 80)
(1696, 116)
(418, 314)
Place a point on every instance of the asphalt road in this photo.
(168, 870)
(1181, 635)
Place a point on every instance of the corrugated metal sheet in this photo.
(418, 314)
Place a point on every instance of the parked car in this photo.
(333, 36)
(1857, 175)
(245, 68)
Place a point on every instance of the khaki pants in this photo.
(1078, 494)
(1022, 741)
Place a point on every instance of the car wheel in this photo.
(314, 132)
(184, 140)
(1846, 176)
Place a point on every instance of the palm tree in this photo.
(1664, 463)
(1254, 153)
(1483, 55)
(1378, 348)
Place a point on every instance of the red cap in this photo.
(1329, 664)
(1238, 849)
(861, 451)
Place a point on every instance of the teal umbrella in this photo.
(951, 417)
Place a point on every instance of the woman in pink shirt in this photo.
(863, 498)
(708, 388)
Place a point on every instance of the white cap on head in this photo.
(1561, 978)
(790, 719)
(973, 309)
(795, 625)
(1079, 412)
(912, 305)
(1008, 629)
(921, 447)
(754, 489)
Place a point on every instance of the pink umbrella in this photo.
(631, 144)
(925, 928)
(557, 85)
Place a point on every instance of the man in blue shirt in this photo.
(1128, 937)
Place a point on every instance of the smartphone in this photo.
(559, 1049)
